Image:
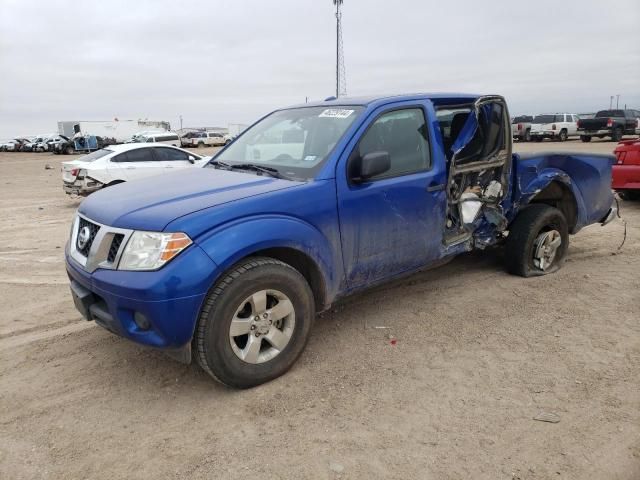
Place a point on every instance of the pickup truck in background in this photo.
(610, 123)
(521, 128)
(228, 264)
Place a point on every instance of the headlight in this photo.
(151, 250)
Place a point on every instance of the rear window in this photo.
(545, 118)
(93, 156)
(522, 119)
(610, 113)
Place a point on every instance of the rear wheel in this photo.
(585, 138)
(538, 241)
(539, 139)
(616, 136)
(69, 150)
(562, 136)
(527, 136)
(201, 145)
(254, 323)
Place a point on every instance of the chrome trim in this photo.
(99, 252)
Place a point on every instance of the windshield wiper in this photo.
(250, 166)
(217, 163)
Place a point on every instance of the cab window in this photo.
(403, 135)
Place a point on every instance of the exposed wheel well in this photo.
(558, 195)
(305, 265)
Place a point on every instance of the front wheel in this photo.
(254, 323)
(562, 136)
(585, 138)
(538, 241)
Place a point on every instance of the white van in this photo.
(168, 138)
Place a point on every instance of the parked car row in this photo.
(562, 126)
(40, 143)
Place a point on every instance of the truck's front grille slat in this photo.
(115, 247)
(84, 242)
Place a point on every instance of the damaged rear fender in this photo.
(554, 187)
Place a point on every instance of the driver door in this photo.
(392, 222)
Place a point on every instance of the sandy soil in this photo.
(479, 354)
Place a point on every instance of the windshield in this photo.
(295, 142)
(95, 155)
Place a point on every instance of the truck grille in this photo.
(84, 241)
(115, 246)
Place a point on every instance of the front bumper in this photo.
(158, 308)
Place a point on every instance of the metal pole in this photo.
(617, 100)
(337, 48)
(610, 102)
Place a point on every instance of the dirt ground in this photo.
(479, 354)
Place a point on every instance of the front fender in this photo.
(231, 242)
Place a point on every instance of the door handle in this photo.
(436, 187)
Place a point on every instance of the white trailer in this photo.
(235, 129)
(121, 130)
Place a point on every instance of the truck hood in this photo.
(152, 203)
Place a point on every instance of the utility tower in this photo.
(341, 80)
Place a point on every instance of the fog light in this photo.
(141, 321)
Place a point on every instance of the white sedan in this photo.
(123, 163)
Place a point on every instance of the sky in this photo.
(231, 61)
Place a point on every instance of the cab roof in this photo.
(376, 100)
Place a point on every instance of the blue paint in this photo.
(357, 235)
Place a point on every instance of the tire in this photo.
(585, 138)
(221, 355)
(527, 136)
(69, 150)
(616, 135)
(201, 145)
(562, 136)
(539, 139)
(536, 223)
(227, 142)
(629, 195)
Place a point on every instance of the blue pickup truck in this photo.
(229, 264)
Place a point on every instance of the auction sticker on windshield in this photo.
(336, 113)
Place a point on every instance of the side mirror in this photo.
(371, 165)
(192, 159)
